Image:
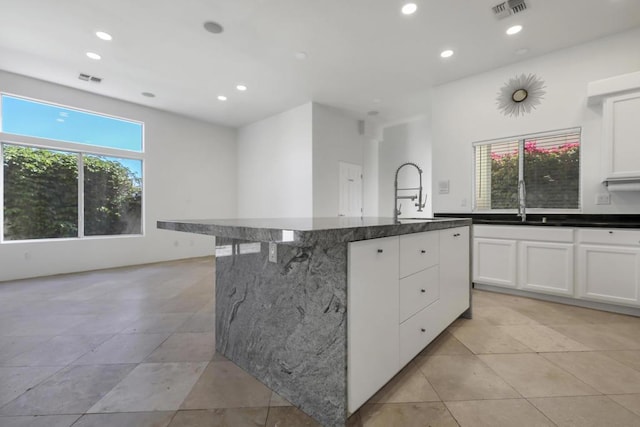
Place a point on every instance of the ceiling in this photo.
(362, 55)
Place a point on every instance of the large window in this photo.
(68, 173)
(544, 167)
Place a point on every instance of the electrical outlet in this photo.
(603, 199)
(273, 252)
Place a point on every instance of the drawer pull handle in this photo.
(423, 290)
(423, 251)
(611, 232)
(380, 251)
(423, 330)
(456, 235)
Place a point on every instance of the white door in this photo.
(350, 201)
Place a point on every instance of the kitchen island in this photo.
(325, 311)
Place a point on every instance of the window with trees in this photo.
(68, 173)
(547, 165)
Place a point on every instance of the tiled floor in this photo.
(134, 347)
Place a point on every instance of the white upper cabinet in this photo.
(621, 115)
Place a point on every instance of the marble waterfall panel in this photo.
(285, 322)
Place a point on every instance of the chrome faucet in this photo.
(522, 200)
(420, 204)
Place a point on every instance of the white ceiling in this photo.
(358, 51)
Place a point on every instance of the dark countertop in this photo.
(553, 220)
(302, 231)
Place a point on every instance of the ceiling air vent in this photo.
(508, 8)
(88, 78)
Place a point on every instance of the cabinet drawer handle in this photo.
(423, 251)
(423, 330)
(611, 232)
(380, 251)
(456, 235)
(423, 290)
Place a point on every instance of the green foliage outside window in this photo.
(552, 177)
(41, 195)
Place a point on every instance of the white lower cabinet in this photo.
(595, 264)
(454, 272)
(373, 305)
(494, 262)
(546, 267)
(531, 258)
(395, 307)
(609, 266)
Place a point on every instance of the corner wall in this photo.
(465, 111)
(405, 142)
(189, 172)
(274, 166)
(336, 138)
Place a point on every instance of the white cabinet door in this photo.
(621, 136)
(546, 267)
(609, 273)
(454, 272)
(373, 313)
(494, 262)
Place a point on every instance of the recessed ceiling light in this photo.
(148, 94)
(522, 51)
(93, 55)
(103, 36)
(301, 55)
(409, 8)
(241, 88)
(222, 98)
(514, 30)
(446, 53)
(213, 27)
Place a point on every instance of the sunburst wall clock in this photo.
(520, 95)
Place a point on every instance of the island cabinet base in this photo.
(290, 316)
(287, 323)
(403, 291)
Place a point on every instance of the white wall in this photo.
(465, 111)
(336, 138)
(189, 173)
(405, 142)
(274, 166)
(370, 170)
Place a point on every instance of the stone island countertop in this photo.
(305, 231)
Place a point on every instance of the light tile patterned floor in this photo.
(134, 347)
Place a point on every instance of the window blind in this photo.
(549, 165)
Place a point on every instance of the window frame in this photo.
(81, 150)
(521, 157)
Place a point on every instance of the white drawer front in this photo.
(418, 251)
(420, 330)
(609, 236)
(418, 291)
(523, 232)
